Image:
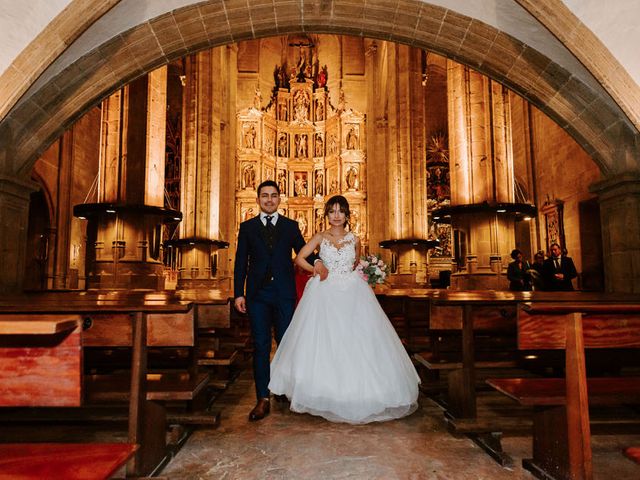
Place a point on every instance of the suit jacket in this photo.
(255, 261)
(567, 268)
(519, 279)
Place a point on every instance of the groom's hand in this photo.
(240, 304)
(320, 269)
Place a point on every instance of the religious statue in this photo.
(250, 137)
(283, 111)
(333, 143)
(319, 110)
(268, 174)
(319, 220)
(319, 183)
(269, 142)
(257, 98)
(282, 182)
(249, 177)
(322, 77)
(248, 213)
(355, 222)
(280, 76)
(301, 105)
(352, 139)
(301, 218)
(301, 145)
(300, 186)
(282, 145)
(352, 178)
(334, 187)
(319, 146)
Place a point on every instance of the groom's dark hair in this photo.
(268, 183)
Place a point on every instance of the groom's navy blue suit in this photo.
(263, 261)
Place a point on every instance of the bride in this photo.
(341, 358)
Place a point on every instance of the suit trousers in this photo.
(266, 311)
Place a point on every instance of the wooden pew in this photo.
(469, 313)
(147, 417)
(464, 340)
(219, 342)
(71, 461)
(407, 310)
(561, 432)
(41, 360)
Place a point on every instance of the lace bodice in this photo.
(339, 259)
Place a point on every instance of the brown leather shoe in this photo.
(261, 410)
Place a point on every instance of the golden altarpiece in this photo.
(312, 149)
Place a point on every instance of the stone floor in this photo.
(286, 445)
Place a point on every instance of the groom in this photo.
(263, 261)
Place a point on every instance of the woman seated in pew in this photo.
(518, 273)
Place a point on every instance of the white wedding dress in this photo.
(341, 358)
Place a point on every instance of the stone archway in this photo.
(597, 124)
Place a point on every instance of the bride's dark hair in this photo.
(342, 203)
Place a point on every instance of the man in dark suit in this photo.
(558, 270)
(263, 261)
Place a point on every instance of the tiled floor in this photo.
(286, 445)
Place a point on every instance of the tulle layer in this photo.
(341, 357)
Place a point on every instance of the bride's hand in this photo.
(321, 270)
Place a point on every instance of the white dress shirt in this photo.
(274, 218)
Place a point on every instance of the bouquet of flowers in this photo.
(372, 269)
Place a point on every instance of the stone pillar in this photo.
(400, 139)
(376, 58)
(619, 198)
(202, 169)
(59, 237)
(14, 220)
(481, 162)
(124, 229)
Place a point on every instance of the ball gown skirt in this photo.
(341, 358)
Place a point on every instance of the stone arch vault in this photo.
(588, 114)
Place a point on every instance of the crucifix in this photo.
(301, 66)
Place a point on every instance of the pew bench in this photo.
(219, 342)
(43, 365)
(71, 461)
(466, 337)
(561, 421)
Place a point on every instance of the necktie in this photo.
(270, 231)
(557, 262)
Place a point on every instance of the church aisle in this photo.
(292, 446)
